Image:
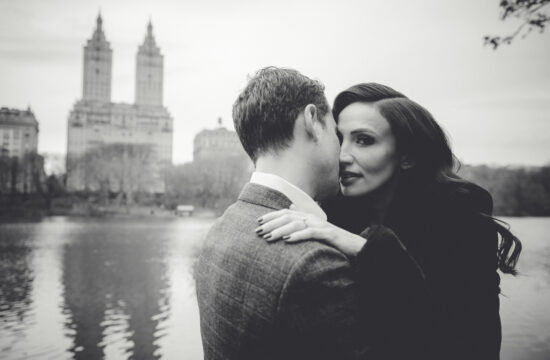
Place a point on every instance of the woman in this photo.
(397, 177)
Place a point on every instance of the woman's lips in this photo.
(348, 177)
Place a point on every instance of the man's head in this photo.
(266, 110)
(278, 106)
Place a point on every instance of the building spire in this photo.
(98, 32)
(149, 38)
(149, 43)
(99, 21)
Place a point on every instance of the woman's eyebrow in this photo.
(363, 130)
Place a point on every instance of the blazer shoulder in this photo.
(232, 240)
(312, 267)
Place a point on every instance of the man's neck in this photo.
(291, 168)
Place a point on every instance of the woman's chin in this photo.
(351, 191)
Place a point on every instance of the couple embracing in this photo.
(354, 239)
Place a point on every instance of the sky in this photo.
(494, 105)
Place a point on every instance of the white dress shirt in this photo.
(299, 198)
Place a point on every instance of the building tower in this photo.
(149, 71)
(97, 66)
(107, 142)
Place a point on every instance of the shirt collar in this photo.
(299, 198)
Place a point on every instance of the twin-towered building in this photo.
(128, 134)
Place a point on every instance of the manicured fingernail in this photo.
(286, 237)
(260, 220)
(267, 236)
(259, 230)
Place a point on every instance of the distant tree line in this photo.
(516, 191)
(214, 183)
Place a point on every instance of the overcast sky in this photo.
(495, 105)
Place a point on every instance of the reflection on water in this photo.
(88, 289)
(115, 282)
(121, 289)
(16, 279)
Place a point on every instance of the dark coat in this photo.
(456, 247)
(394, 297)
(260, 300)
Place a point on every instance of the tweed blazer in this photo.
(260, 300)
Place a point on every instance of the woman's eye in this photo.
(365, 140)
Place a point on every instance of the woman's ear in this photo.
(406, 162)
(310, 120)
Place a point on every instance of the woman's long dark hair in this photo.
(421, 140)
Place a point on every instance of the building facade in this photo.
(220, 152)
(18, 132)
(21, 168)
(220, 168)
(216, 143)
(109, 144)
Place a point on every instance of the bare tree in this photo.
(532, 14)
(213, 182)
(23, 175)
(125, 168)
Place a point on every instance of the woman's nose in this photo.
(345, 156)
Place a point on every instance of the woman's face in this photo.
(368, 157)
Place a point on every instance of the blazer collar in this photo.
(297, 196)
(264, 196)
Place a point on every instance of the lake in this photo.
(76, 288)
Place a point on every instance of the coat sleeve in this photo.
(463, 245)
(319, 309)
(395, 296)
(450, 309)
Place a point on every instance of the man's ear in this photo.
(310, 120)
(406, 162)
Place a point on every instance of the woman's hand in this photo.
(294, 226)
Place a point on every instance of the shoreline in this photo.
(93, 211)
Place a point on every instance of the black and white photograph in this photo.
(275, 180)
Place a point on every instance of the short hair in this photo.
(265, 112)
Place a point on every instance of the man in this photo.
(261, 300)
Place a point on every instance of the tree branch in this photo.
(529, 11)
